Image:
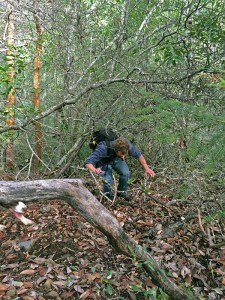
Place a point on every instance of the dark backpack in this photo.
(105, 134)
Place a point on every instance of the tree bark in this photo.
(80, 199)
(36, 97)
(10, 97)
(68, 158)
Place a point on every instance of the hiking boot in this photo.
(126, 196)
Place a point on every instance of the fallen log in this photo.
(83, 201)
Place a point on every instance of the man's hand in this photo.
(93, 169)
(98, 171)
(150, 172)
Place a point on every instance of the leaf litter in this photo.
(62, 256)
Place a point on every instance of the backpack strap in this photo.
(109, 150)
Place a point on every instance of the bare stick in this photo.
(200, 222)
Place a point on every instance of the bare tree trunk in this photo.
(69, 157)
(76, 195)
(10, 96)
(36, 98)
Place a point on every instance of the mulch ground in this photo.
(61, 256)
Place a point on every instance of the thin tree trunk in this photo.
(77, 196)
(10, 96)
(69, 157)
(36, 98)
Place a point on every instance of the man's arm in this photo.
(145, 166)
(95, 157)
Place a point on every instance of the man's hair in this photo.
(121, 144)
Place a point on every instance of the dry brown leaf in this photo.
(29, 298)
(34, 266)
(59, 283)
(11, 256)
(101, 242)
(23, 291)
(40, 260)
(137, 236)
(61, 276)
(28, 284)
(158, 227)
(146, 223)
(28, 272)
(4, 287)
(166, 246)
(2, 227)
(92, 277)
(120, 215)
(85, 294)
(223, 281)
(172, 266)
(78, 289)
(67, 295)
(10, 266)
(40, 280)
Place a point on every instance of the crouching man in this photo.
(109, 156)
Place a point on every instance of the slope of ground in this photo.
(61, 256)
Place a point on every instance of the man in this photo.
(109, 156)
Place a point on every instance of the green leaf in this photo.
(109, 289)
(136, 288)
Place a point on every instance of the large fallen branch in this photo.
(76, 195)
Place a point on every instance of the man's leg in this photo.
(106, 175)
(121, 167)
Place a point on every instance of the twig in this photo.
(115, 190)
(202, 280)
(208, 234)
(153, 198)
(209, 237)
(216, 246)
(97, 185)
(200, 222)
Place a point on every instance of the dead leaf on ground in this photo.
(28, 272)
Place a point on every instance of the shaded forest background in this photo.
(151, 70)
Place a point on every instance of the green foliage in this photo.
(132, 252)
(186, 287)
(183, 190)
(106, 286)
(74, 268)
(203, 29)
(20, 60)
(219, 215)
(156, 293)
(202, 129)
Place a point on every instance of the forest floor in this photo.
(62, 256)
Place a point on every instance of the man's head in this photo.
(121, 147)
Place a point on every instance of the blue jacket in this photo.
(101, 153)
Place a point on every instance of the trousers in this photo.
(120, 166)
